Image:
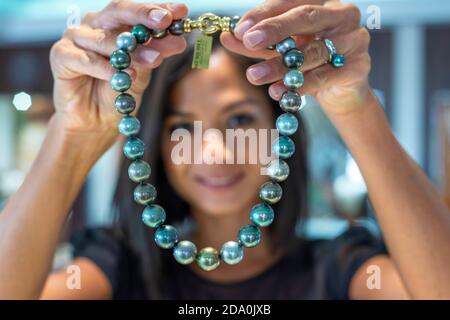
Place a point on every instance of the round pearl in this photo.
(134, 148)
(185, 252)
(159, 33)
(271, 192)
(125, 103)
(208, 259)
(233, 23)
(293, 79)
(294, 58)
(287, 124)
(153, 215)
(126, 41)
(166, 236)
(120, 81)
(278, 170)
(285, 45)
(249, 235)
(231, 252)
(141, 33)
(129, 126)
(291, 101)
(338, 60)
(139, 171)
(262, 215)
(144, 193)
(120, 59)
(177, 28)
(283, 147)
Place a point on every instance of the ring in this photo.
(337, 60)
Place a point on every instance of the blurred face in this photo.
(220, 98)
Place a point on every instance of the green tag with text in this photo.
(202, 52)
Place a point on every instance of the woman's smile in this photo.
(219, 182)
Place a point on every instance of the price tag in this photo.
(202, 52)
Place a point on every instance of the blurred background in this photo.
(410, 71)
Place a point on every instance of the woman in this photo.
(125, 263)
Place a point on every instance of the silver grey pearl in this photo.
(126, 41)
(233, 22)
(278, 170)
(293, 79)
(285, 45)
(177, 28)
(159, 33)
(291, 101)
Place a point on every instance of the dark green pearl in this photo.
(262, 215)
(141, 33)
(159, 33)
(283, 147)
(278, 170)
(129, 126)
(294, 58)
(185, 252)
(233, 23)
(120, 59)
(144, 193)
(287, 124)
(285, 45)
(271, 192)
(293, 79)
(134, 148)
(177, 28)
(166, 236)
(126, 41)
(125, 103)
(249, 235)
(153, 215)
(291, 101)
(139, 170)
(208, 259)
(120, 81)
(338, 60)
(231, 252)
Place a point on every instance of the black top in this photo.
(319, 269)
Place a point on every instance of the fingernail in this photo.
(150, 55)
(254, 38)
(242, 27)
(274, 92)
(257, 72)
(157, 15)
(132, 73)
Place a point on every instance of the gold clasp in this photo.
(208, 24)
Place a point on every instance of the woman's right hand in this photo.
(83, 97)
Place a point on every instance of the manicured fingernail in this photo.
(242, 27)
(252, 39)
(274, 92)
(157, 15)
(150, 55)
(257, 72)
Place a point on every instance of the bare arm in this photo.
(31, 222)
(413, 217)
(83, 127)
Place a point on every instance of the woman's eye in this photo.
(241, 120)
(186, 126)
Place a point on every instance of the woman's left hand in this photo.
(339, 91)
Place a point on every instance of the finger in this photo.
(325, 77)
(104, 42)
(316, 54)
(310, 20)
(230, 42)
(266, 10)
(127, 13)
(70, 62)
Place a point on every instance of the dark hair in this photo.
(139, 237)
